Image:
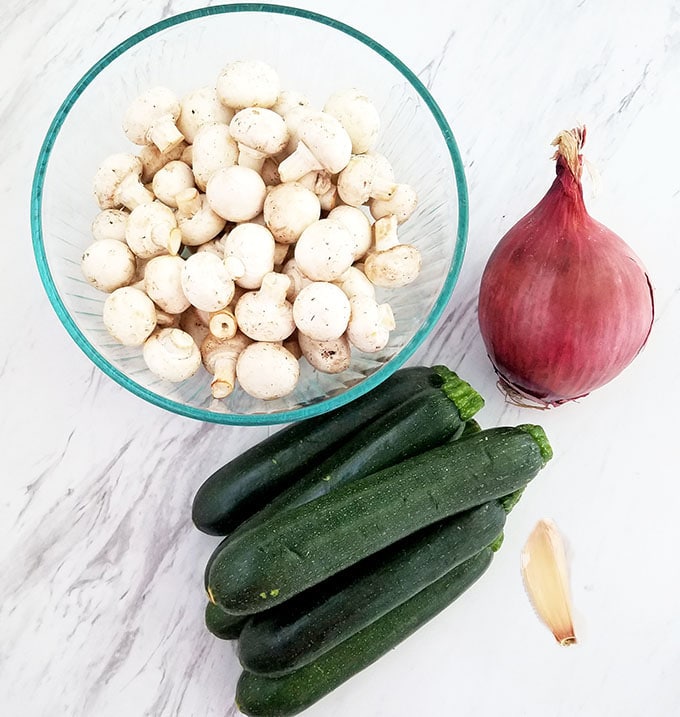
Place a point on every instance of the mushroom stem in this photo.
(223, 324)
(131, 192)
(299, 163)
(249, 157)
(164, 134)
(174, 241)
(385, 233)
(188, 202)
(225, 376)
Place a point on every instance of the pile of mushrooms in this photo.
(249, 231)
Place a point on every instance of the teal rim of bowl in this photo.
(232, 418)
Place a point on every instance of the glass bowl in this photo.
(314, 54)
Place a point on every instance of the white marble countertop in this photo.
(101, 605)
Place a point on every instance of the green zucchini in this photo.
(293, 550)
(222, 624)
(298, 631)
(248, 482)
(261, 696)
(423, 421)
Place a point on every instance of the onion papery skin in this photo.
(564, 303)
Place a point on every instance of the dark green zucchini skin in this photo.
(222, 624)
(298, 631)
(261, 696)
(423, 421)
(251, 480)
(296, 549)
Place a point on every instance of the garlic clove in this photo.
(546, 580)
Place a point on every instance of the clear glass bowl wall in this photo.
(314, 55)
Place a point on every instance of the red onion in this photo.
(564, 304)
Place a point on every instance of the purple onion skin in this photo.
(564, 303)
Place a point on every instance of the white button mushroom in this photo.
(391, 264)
(108, 264)
(110, 224)
(370, 324)
(171, 354)
(357, 224)
(326, 356)
(219, 358)
(165, 320)
(267, 371)
(281, 252)
(289, 209)
(319, 181)
(361, 180)
(213, 149)
(259, 133)
(355, 283)
(163, 283)
(153, 159)
(249, 254)
(129, 316)
(199, 107)
(298, 280)
(265, 315)
(206, 282)
(195, 219)
(172, 179)
(325, 250)
(324, 144)
(358, 116)
(289, 100)
(248, 83)
(402, 204)
(152, 230)
(321, 311)
(116, 183)
(214, 246)
(187, 155)
(236, 193)
(151, 117)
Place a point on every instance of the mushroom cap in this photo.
(357, 224)
(163, 283)
(149, 230)
(326, 356)
(236, 193)
(199, 107)
(214, 148)
(395, 267)
(289, 100)
(108, 264)
(146, 109)
(170, 180)
(206, 282)
(172, 354)
(327, 139)
(129, 316)
(267, 370)
(325, 250)
(401, 204)
(265, 315)
(110, 224)
(110, 173)
(260, 129)
(248, 83)
(289, 209)
(358, 115)
(321, 311)
(253, 246)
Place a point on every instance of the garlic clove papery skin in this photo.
(546, 579)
